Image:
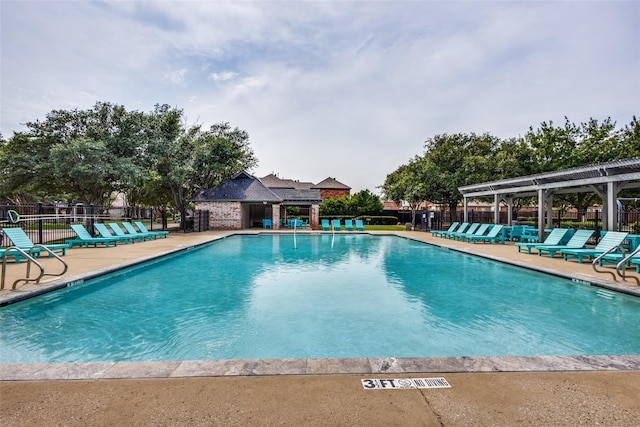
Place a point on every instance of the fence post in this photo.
(91, 219)
(40, 213)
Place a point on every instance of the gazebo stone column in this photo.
(275, 215)
(314, 217)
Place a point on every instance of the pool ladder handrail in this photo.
(54, 255)
(621, 266)
(31, 258)
(295, 242)
(596, 261)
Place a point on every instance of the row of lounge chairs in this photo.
(336, 225)
(473, 233)
(608, 249)
(19, 239)
(572, 245)
(114, 234)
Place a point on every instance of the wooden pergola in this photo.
(604, 179)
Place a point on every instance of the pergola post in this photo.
(496, 209)
(509, 199)
(541, 199)
(466, 209)
(549, 201)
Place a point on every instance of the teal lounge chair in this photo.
(130, 230)
(348, 225)
(336, 225)
(17, 256)
(462, 228)
(118, 232)
(21, 240)
(359, 225)
(451, 229)
(324, 225)
(578, 241)
(266, 223)
(104, 232)
(492, 236)
(609, 241)
(143, 229)
(472, 229)
(85, 239)
(558, 236)
(480, 231)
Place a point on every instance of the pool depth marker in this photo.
(403, 383)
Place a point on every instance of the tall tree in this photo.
(365, 202)
(200, 159)
(456, 160)
(408, 184)
(568, 146)
(70, 139)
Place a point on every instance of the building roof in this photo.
(292, 196)
(243, 187)
(273, 181)
(331, 184)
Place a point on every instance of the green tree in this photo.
(408, 184)
(335, 206)
(562, 147)
(107, 134)
(198, 159)
(452, 161)
(365, 202)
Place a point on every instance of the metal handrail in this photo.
(51, 254)
(29, 259)
(596, 261)
(620, 267)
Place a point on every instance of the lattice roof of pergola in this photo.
(627, 170)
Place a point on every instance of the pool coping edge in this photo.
(343, 366)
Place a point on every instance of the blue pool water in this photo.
(356, 296)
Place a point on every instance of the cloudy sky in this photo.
(344, 89)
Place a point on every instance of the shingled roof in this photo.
(292, 196)
(331, 184)
(273, 181)
(243, 187)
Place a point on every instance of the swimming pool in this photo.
(269, 296)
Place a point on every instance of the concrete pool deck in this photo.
(485, 391)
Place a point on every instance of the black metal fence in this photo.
(49, 223)
(628, 219)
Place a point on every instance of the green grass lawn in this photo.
(385, 227)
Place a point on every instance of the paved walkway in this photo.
(484, 391)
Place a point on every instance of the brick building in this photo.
(245, 201)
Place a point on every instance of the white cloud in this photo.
(176, 77)
(224, 76)
(346, 89)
